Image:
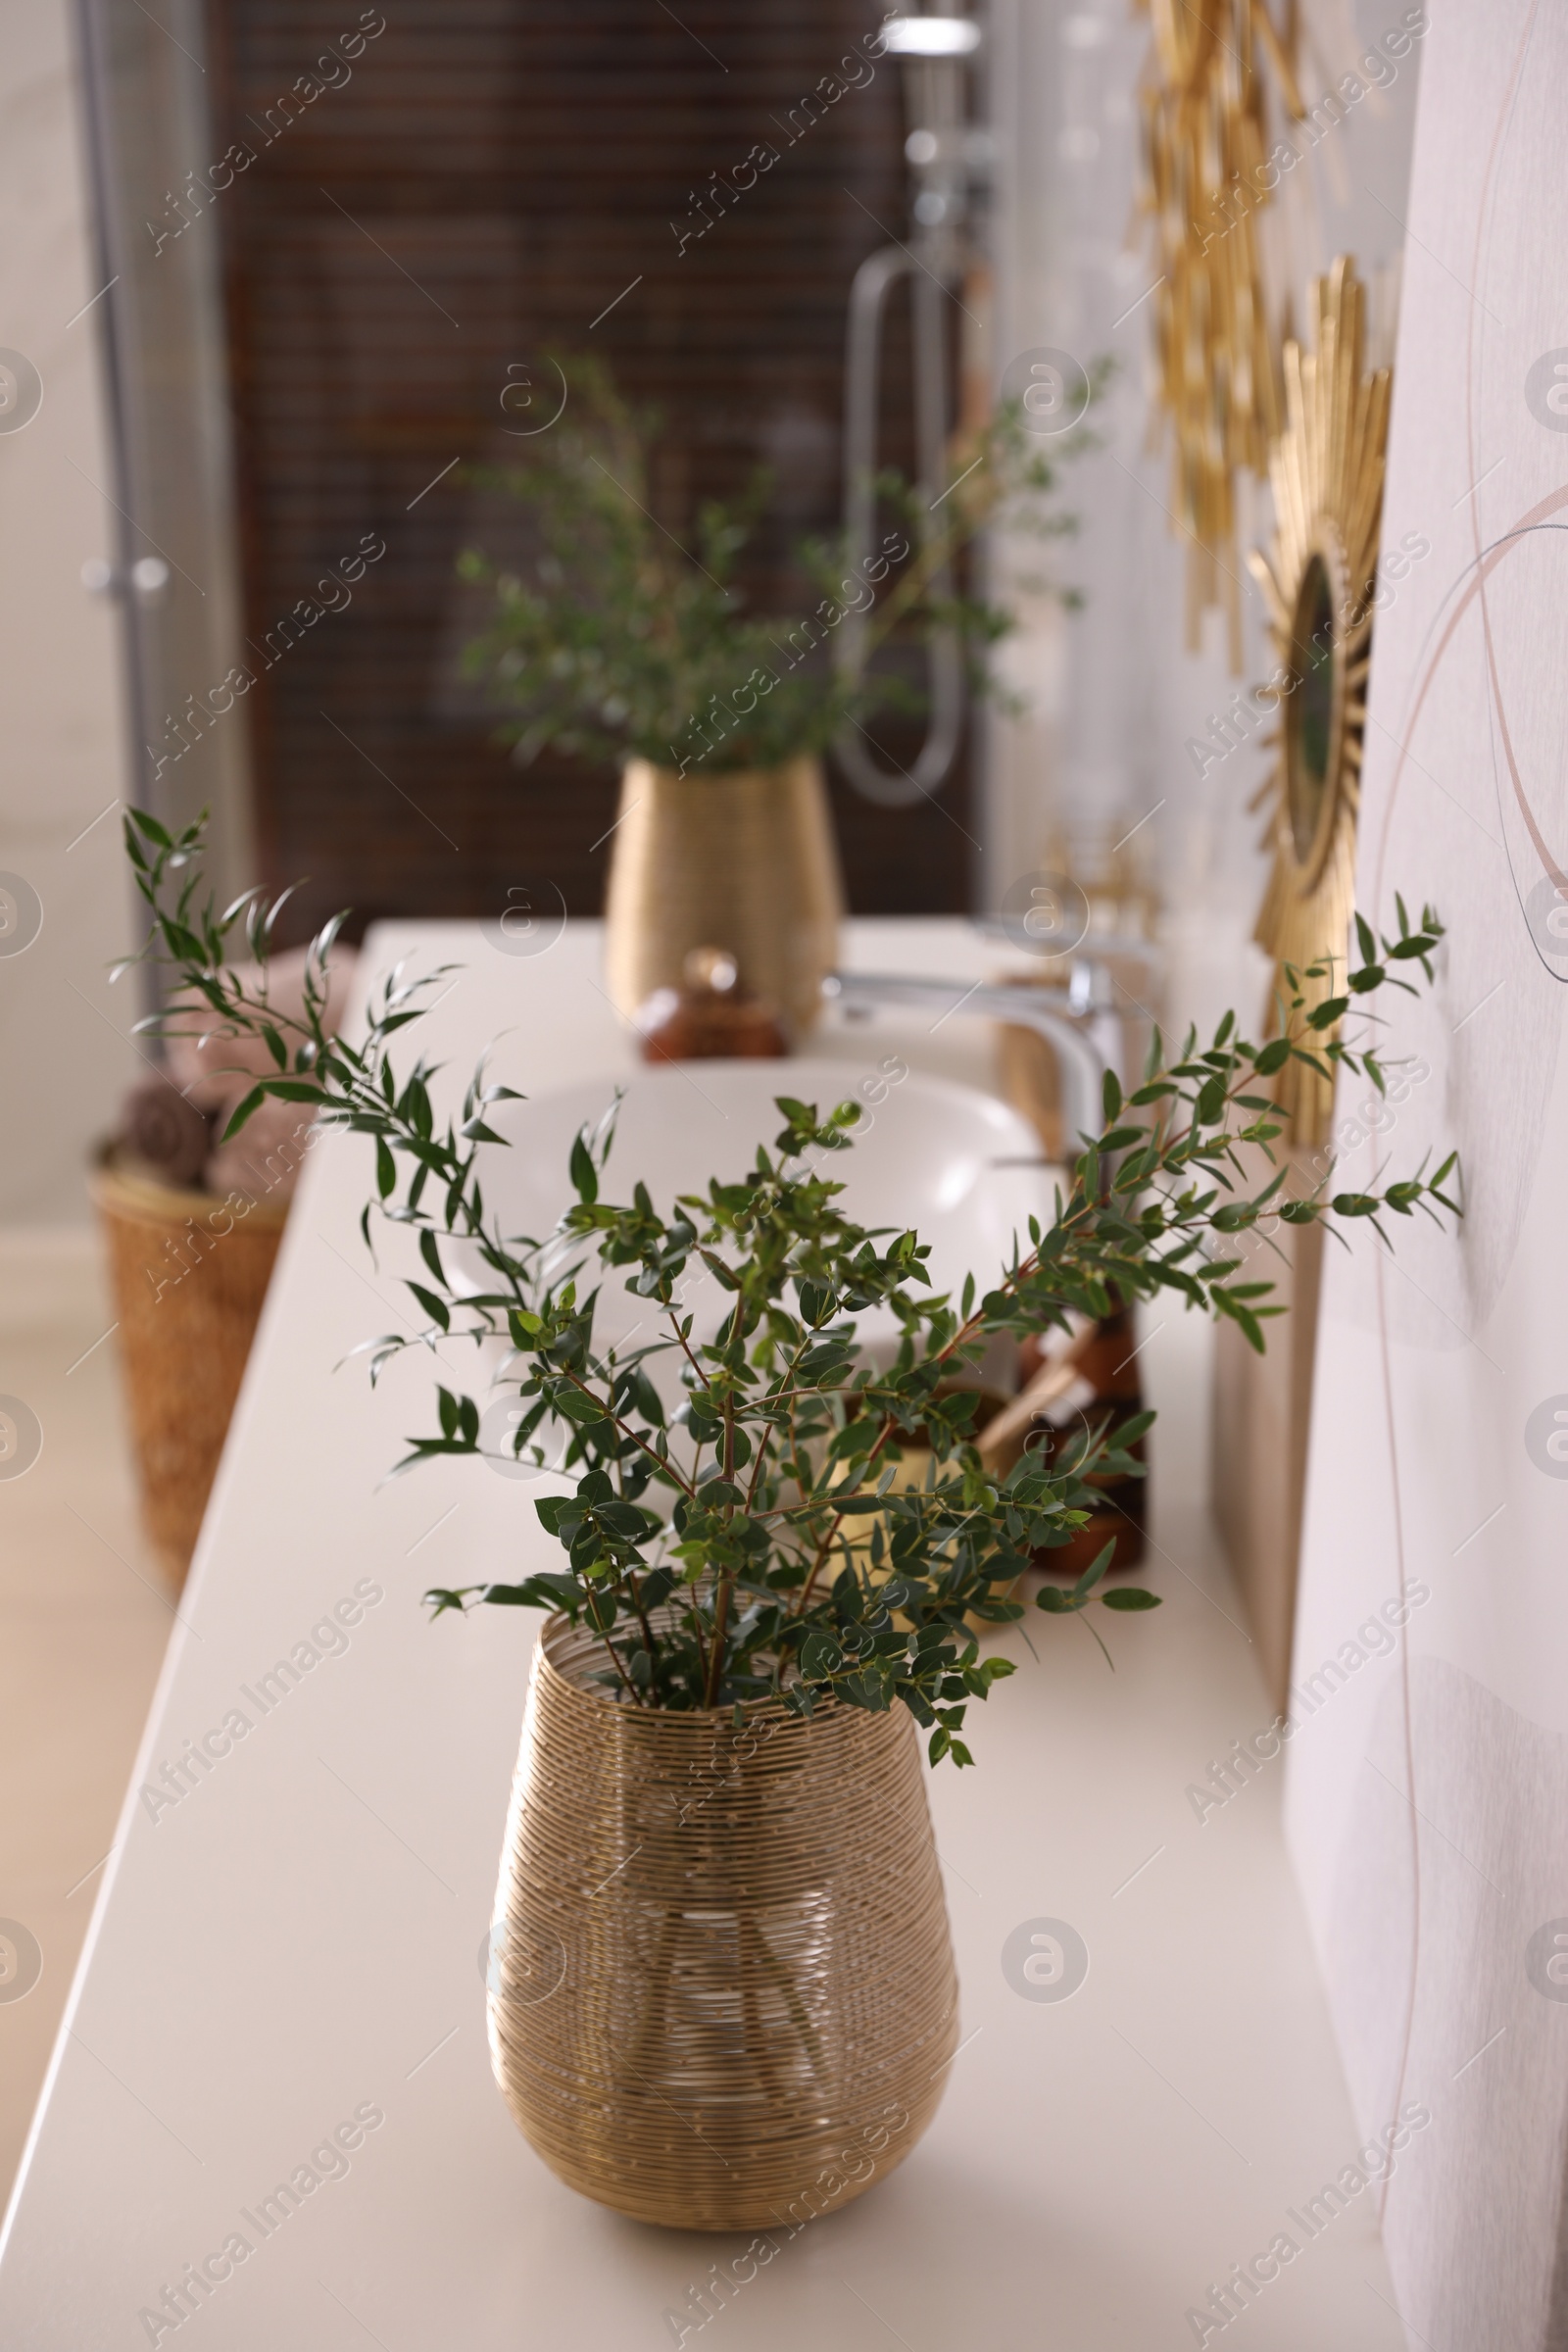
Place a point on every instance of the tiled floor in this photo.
(84, 1624)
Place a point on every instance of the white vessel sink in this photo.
(959, 1166)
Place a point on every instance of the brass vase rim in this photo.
(718, 775)
(557, 1628)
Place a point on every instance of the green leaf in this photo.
(252, 1102)
(1129, 1597)
(151, 828)
(436, 1308)
(1094, 1570)
(547, 1592)
(584, 1175)
(819, 1301)
(1210, 1101)
(1140, 1424)
(725, 1275)
(821, 1656)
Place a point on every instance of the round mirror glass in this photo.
(1308, 738)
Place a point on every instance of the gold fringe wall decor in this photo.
(1207, 152)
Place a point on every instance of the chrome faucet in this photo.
(1087, 1033)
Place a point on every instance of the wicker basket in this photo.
(722, 1993)
(188, 1274)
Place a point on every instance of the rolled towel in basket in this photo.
(165, 1132)
(263, 1160)
(217, 1070)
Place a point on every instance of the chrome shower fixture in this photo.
(930, 36)
(947, 154)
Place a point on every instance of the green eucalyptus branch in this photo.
(616, 639)
(741, 1531)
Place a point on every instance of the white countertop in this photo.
(299, 1936)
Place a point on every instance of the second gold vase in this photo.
(744, 861)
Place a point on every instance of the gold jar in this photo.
(744, 861)
(721, 1993)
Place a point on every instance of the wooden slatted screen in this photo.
(486, 180)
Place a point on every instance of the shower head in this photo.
(930, 36)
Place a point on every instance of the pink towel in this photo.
(217, 1071)
(263, 1160)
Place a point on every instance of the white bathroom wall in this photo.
(1428, 1796)
(64, 1055)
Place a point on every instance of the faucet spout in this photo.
(1086, 1034)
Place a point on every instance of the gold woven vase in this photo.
(721, 1992)
(744, 861)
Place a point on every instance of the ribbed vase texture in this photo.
(722, 1990)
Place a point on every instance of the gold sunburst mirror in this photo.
(1325, 469)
